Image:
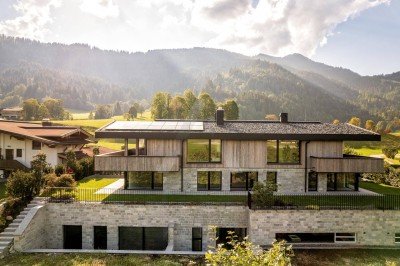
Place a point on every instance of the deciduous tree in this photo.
(160, 106)
(231, 110)
(370, 125)
(207, 106)
(355, 121)
(30, 107)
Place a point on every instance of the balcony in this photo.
(118, 162)
(347, 164)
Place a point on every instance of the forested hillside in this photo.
(83, 76)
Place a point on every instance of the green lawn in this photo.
(368, 148)
(380, 188)
(96, 183)
(2, 190)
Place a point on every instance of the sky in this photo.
(362, 35)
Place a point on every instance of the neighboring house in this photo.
(21, 141)
(183, 176)
(12, 113)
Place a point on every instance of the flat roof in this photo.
(239, 130)
(156, 125)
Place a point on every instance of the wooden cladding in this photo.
(137, 163)
(347, 165)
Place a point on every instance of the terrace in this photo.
(385, 200)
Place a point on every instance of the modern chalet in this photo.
(182, 177)
(233, 155)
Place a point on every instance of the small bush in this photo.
(59, 169)
(390, 152)
(21, 185)
(65, 180)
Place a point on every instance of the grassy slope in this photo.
(380, 188)
(375, 147)
(92, 125)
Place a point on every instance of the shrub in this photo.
(245, 253)
(263, 194)
(65, 180)
(59, 169)
(21, 185)
(390, 152)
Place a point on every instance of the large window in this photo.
(283, 151)
(72, 236)
(243, 180)
(36, 145)
(100, 237)
(203, 150)
(19, 152)
(142, 238)
(342, 182)
(197, 239)
(208, 180)
(145, 180)
(137, 147)
(312, 181)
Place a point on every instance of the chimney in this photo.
(219, 116)
(46, 122)
(284, 117)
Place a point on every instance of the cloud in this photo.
(100, 8)
(35, 15)
(276, 27)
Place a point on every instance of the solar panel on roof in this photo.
(156, 125)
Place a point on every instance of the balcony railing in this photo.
(316, 202)
(347, 164)
(326, 201)
(122, 196)
(137, 163)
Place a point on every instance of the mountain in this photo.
(83, 76)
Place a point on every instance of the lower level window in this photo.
(306, 237)
(100, 237)
(397, 238)
(142, 238)
(145, 180)
(72, 235)
(208, 180)
(197, 239)
(243, 180)
(224, 235)
(345, 237)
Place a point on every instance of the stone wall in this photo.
(31, 233)
(181, 218)
(372, 227)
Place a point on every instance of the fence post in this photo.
(249, 199)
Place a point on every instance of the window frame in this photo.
(96, 229)
(397, 238)
(152, 181)
(345, 235)
(277, 141)
(247, 181)
(209, 151)
(18, 153)
(144, 234)
(36, 145)
(197, 238)
(209, 181)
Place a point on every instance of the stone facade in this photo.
(31, 234)
(372, 227)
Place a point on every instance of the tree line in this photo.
(190, 106)
(49, 108)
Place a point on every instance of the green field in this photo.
(380, 188)
(90, 182)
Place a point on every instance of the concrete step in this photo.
(17, 220)
(6, 238)
(31, 205)
(20, 217)
(7, 234)
(24, 212)
(13, 225)
(9, 230)
(4, 242)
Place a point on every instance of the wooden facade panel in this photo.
(163, 147)
(140, 163)
(347, 165)
(325, 149)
